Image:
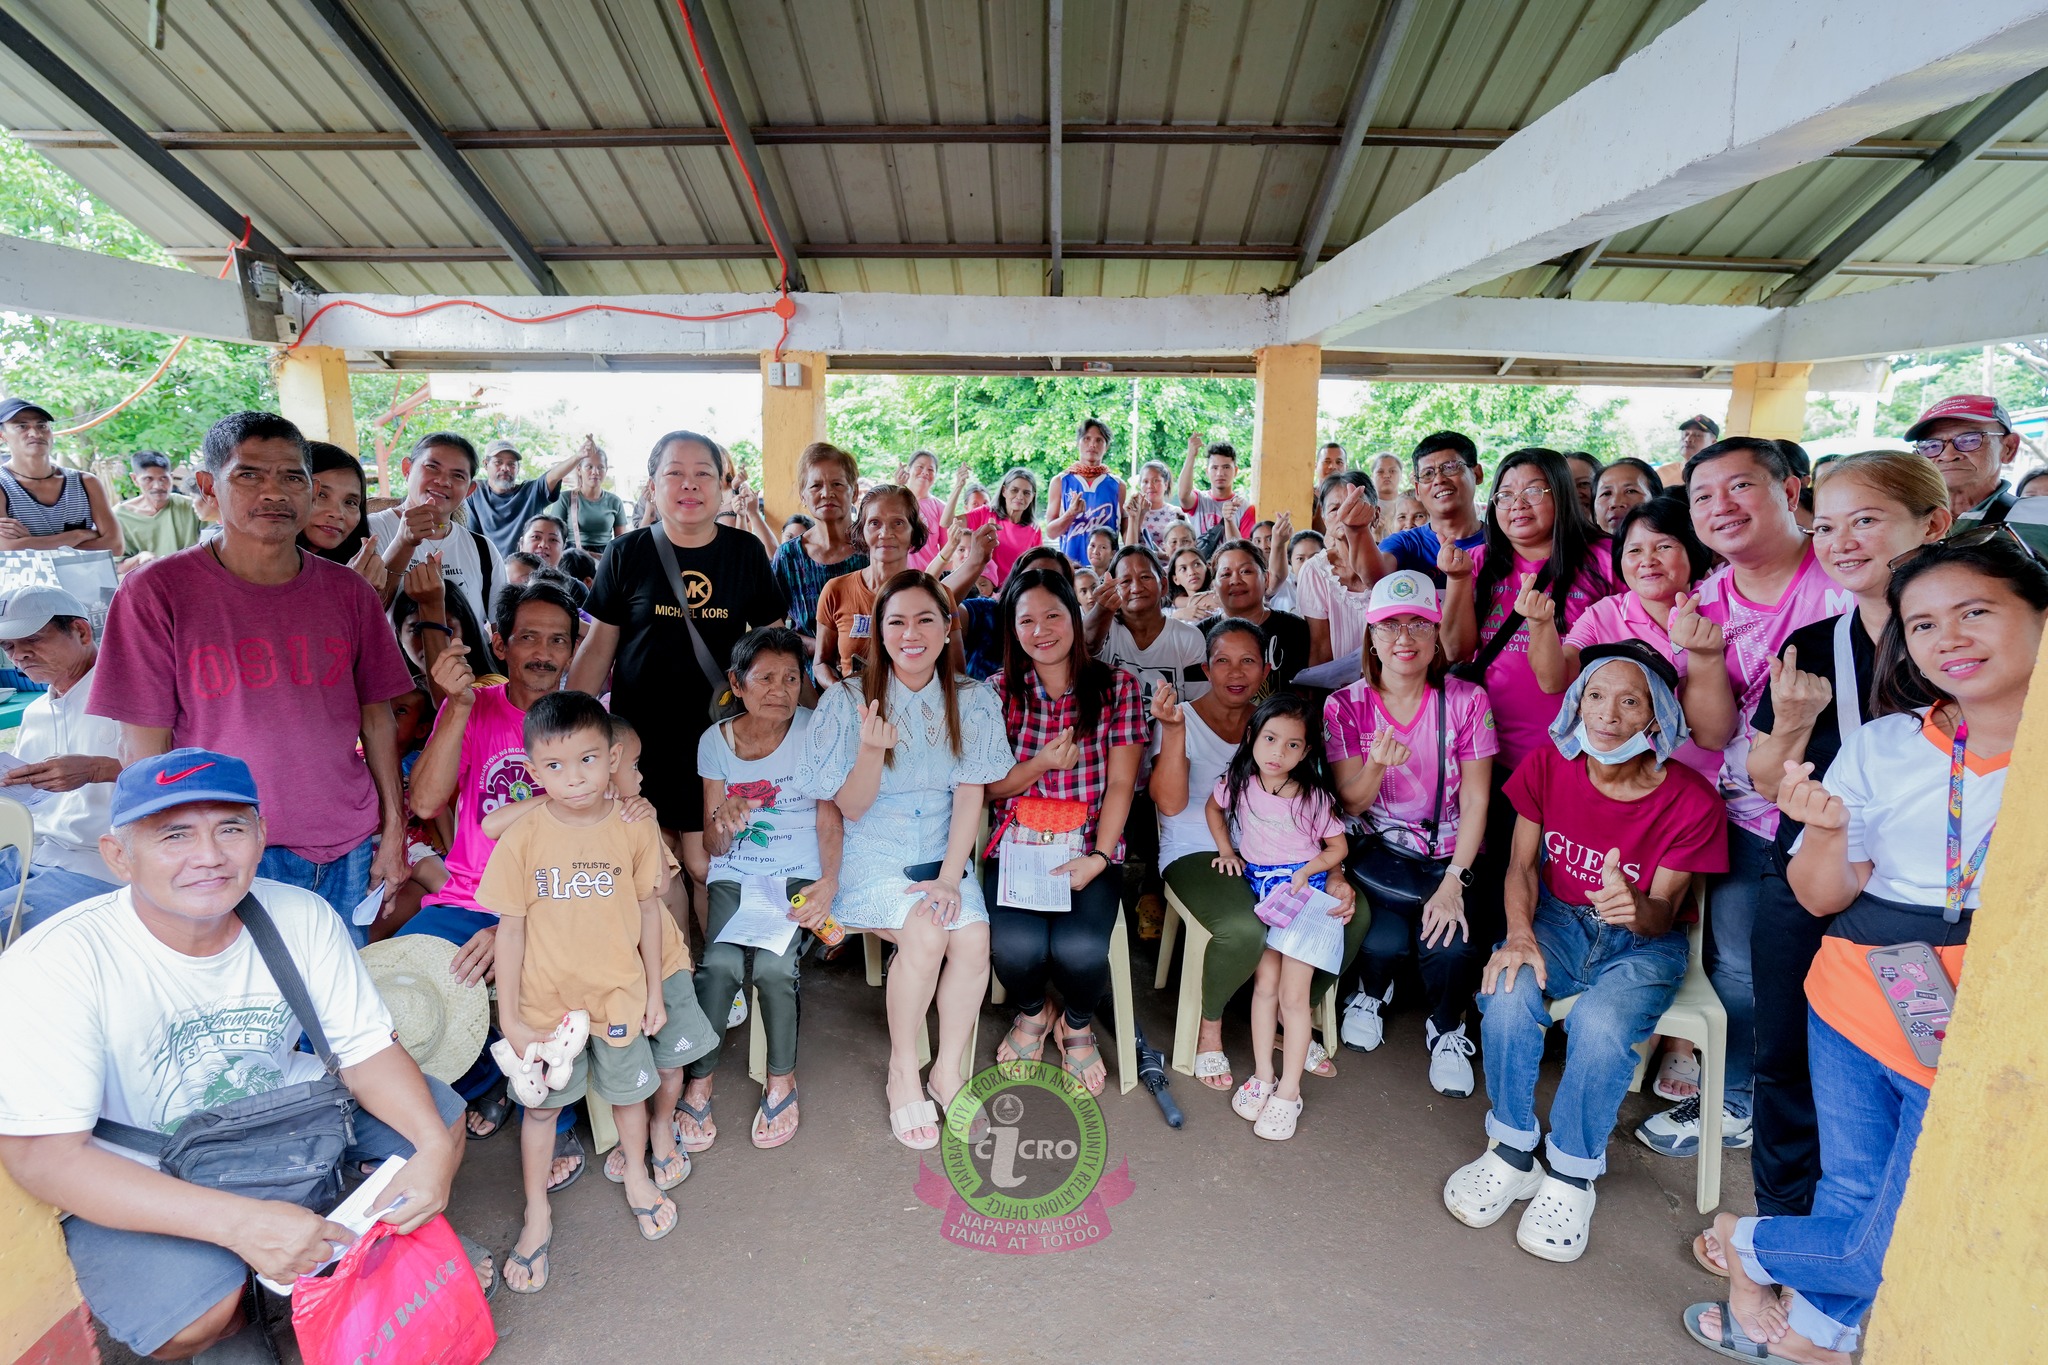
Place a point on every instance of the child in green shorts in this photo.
(582, 927)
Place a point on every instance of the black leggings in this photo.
(1028, 948)
(1782, 944)
(1395, 932)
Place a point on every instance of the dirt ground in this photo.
(1334, 1246)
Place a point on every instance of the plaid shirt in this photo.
(1034, 722)
(802, 578)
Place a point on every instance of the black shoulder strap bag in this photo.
(1473, 670)
(1391, 873)
(713, 674)
(284, 1144)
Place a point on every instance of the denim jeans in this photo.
(1732, 900)
(1624, 982)
(1833, 1259)
(342, 882)
(50, 889)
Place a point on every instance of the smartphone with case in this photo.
(1922, 998)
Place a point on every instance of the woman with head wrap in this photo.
(1608, 836)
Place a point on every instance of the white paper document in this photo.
(367, 908)
(30, 797)
(1315, 936)
(1025, 879)
(762, 921)
(352, 1213)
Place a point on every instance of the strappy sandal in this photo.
(1210, 1065)
(911, 1117)
(1081, 1041)
(766, 1115)
(653, 1211)
(493, 1108)
(1733, 1342)
(1032, 1046)
(700, 1115)
(1318, 1062)
(526, 1263)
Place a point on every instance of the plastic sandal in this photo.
(976, 1127)
(567, 1144)
(1208, 1064)
(1733, 1341)
(1277, 1119)
(666, 1174)
(911, 1117)
(1480, 1191)
(1558, 1222)
(654, 1211)
(1699, 1253)
(1250, 1100)
(766, 1115)
(526, 1263)
(527, 1077)
(478, 1254)
(493, 1108)
(1319, 1062)
(701, 1115)
(1678, 1078)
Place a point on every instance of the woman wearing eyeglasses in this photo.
(1891, 857)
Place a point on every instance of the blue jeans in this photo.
(342, 882)
(1732, 900)
(1624, 983)
(1833, 1259)
(50, 889)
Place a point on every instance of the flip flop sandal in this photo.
(567, 1144)
(615, 1166)
(1318, 1062)
(1699, 1253)
(526, 1263)
(666, 1176)
(654, 1211)
(766, 1115)
(494, 1108)
(478, 1253)
(1081, 1042)
(1212, 1064)
(917, 1114)
(701, 1115)
(1733, 1341)
(1034, 1038)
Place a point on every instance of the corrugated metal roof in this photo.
(252, 66)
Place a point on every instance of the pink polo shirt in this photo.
(1521, 708)
(1624, 617)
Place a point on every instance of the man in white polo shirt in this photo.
(67, 759)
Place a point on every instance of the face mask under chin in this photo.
(1637, 743)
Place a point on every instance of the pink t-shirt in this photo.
(1407, 799)
(1755, 633)
(931, 510)
(1624, 617)
(276, 674)
(1521, 708)
(1277, 831)
(493, 773)
(1011, 540)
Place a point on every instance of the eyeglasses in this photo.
(1441, 473)
(1393, 630)
(1532, 496)
(1965, 443)
(1981, 534)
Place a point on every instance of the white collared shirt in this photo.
(69, 824)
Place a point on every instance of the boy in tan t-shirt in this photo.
(582, 927)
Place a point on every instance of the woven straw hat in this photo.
(440, 1021)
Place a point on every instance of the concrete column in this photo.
(1768, 400)
(1971, 1230)
(312, 390)
(1284, 431)
(41, 1316)
(791, 418)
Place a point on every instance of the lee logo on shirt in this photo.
(549, 884)
(615, 1031)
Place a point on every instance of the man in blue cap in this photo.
(152, 1003)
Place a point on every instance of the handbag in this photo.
(1392, 873)
(721, 695)
(284, 1144)
(396, 1296)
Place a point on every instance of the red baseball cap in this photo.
(1975, 407)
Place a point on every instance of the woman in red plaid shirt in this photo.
(1079, 728)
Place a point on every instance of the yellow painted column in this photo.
(312, 390)
(1769, 401)
(41, 1316)
(792, 416)
(1284, 431)
(1966, 1279)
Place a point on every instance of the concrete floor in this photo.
(1334, 1246)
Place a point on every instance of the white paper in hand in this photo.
(353, 1213)
(762, 921)
(367, 908)
(30, 797)
(1315, 936)
(1025, 879)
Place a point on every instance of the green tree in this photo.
(1498, 417)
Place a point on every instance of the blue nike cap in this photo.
(180, 778)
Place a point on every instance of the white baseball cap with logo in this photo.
(25, 611)
(1407, 593)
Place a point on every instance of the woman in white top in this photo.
(904, 750)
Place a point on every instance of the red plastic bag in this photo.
(399, 1300)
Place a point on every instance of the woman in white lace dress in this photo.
(904, 749)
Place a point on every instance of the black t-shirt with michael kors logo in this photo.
(656, 681)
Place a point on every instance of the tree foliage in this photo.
(1498, 417)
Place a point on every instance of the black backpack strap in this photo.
(483, 560)
(2000, 505)
(289, 983)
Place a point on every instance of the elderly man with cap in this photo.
(48, 507)
(1970, 439)
(501, 503)
(1695, 434)
(135, 1012)
(68, 757)
(155, 522)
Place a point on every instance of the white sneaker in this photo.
(1450, 1061)
(1558, 1222)
(1363, 1029)
(1676, 1131)
(738, 1013)
(1479, 1192)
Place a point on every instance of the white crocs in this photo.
(526, 1076)
(560, 1049)
(1251, 1099)
(1558, 1223)
(1479, 1192)
(1277, 1119)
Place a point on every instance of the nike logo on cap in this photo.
(166, 779)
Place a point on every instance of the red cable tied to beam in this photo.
(784, 306)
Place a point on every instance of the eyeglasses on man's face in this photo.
(1963, 442)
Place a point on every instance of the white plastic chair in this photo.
(757, 1049)
(1187, 1020)
(1696, 1015)
(17, 831)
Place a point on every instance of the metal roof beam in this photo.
(371, 64)
(718, 83)
(1768, 87)
(1560, 286)
(1380, 54)
(1958, 151)
(129, 134)
(85, 286)
(1976, 307)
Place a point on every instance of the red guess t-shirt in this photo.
(1682, 825)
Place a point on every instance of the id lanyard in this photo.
(1960, 874)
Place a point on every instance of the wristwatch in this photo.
(1463, 874)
